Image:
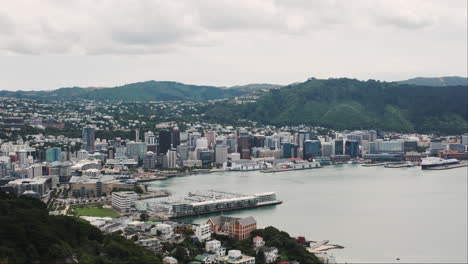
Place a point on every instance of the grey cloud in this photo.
(132, 27)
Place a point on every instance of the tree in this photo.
(260, 258)
(144, 217)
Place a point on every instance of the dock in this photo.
(404, 165)
(374, 164)
(148, 179)
(288, 169)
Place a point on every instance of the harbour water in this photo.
(378, 214)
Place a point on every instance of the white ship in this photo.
(431, 162)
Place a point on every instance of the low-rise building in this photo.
(214, 246)
(123, 201)
(258, 242)
(169, 260)
(236, 257)
(164, 231)
(203, 232)
(238, 228)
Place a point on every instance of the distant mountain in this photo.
(255, 87)
(352, 104)
(141, 91)
(441, 81)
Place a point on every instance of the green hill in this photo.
(141, 91)
(353, 104)
(30, 235)
(440, 81)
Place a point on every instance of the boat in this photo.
(399, 165)
(434, 162)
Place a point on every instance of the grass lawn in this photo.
(98, 212)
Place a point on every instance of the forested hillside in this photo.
(437, 81)
(353, 104)
(141, 91)
(29, 235)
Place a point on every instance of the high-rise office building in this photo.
(352, 148)
(183, 151)
(88, 138)
(175, 137)
(165, 140)
(244, 146)
(211, 138)
(286, 150)
(171, 159)
(150, 161)
(221, 154)
(53, 154)
(312, 149)
(327, 149)
(136, 150)
(338, 146)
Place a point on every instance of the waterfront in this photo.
(378, 214)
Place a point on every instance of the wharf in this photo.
(405, 165)
(288, 169)
(374, 164)
(263, 204)
(152, 179)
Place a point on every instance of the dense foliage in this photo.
(29, 235)
(353, 104)
(288, 248)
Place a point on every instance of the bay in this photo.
(378, 214)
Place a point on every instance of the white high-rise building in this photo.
(171, 159)
(221, 154)
(123, 201)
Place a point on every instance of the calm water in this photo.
(378, 214)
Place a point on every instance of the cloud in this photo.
(146, 26)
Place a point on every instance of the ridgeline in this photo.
(352, 104)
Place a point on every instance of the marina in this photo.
(207, 202)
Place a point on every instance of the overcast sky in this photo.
(49, 44)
